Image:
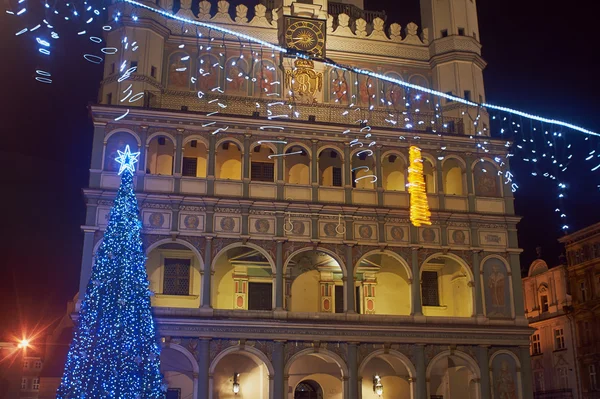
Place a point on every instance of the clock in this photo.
(306, 35)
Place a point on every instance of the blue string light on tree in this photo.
(115, 352)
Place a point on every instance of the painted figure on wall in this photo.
(236, 76)
(486, 180)
(496, 286)
(208, 73)
(117, 142)
(418, 99)
(339, 87)
(366, 89)
(505, 377)
(179, 71)
(393, 95)
(266, 76)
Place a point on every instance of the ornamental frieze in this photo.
(291, 348)
(340, 349)
(432, 351)
(404, 252)
(149, 239)
(220, 243)
(228, 210)
(269, 246)
(106, 202)
(266, 347)
(196, 242)
(192, 208)
(219, 345)
(151, 205)
(469, 350)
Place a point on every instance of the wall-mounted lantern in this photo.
(236, 384)
(377, 385)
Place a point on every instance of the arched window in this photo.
(297, 166)
(228, 160)
(453, 177)
(195, 157)
(117, 142)
(429, 172)
(161, 151)
(393, 168)
(262, 165)
(330, 168)
(486, 180)
(363, 170)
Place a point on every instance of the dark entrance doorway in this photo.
(308, 389)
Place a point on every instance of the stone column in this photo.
(280, 387)
(347, 174)
(421, 389)
(203, 367)
(279, 276)
(526, 377)
(379, 174)
(477, 277)
(484, 366)
(470, 184)
(314, 169)
(517, 285)
(440, 183)
(207, 274)
(97, 163)
(211, 165)
(352, 370)
(280, 172)
(87, 261)
(177, 161)
(246, 166)
(416, 282)
(349, 283)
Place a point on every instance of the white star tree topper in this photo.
(127, 159)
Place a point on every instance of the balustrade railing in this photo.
(404, 120)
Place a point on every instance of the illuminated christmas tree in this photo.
(115, 351)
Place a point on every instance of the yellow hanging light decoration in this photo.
(419, 207)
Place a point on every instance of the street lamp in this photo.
(23, 344)
(377, 385)
(236, 384)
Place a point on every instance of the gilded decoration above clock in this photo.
(307, 35)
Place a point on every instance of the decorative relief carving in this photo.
(228, 210)
(204, 10)
(149, 239)
(396, 33)
(222, 14)
(411, 34)
(150, 205)
(192, 208)
(343, 26)
(219, 345)
(260, 18)
(378, 33)
(185, 10)
(361, 28)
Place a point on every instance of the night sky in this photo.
(540, 58)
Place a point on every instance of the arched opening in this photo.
(383, 286)
(330, 168)
(429, 173)
(454, 177)
(117, 142)
(446, 288)
(393, 168)
(363, 170)
(242, 280)
(262, 164)
(244, 368)
(394, 377)
(228, 160)
(321, 368)
(308, 389)
(161, 151)
(314, 283)
(178, 373)
(174, 275)
(452, 376)
(195, 156)
(393, 94)
(486, 180)
(297, 166)
(497, 289)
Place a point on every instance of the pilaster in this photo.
(349, 283)
(246, 166)
(203, 368)
(421, 388)
(526, 377)
(280, 387)
(207, 273)
(210, 167)
(87, 260)
(483, 360)
(353, 370)
(415, 284)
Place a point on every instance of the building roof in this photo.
(581, 235)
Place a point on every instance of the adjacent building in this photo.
(583, 256)
(280, 251)
(548, 307)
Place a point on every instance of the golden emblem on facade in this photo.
(304, 82)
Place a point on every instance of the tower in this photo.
(456, 60)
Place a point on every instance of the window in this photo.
(467, 95)
(263, 171)
(173, 393)
(429, 286)
(339, 299)
(563, 378)
(134, 64)
(448, 101)
(153, 71)
(38, 364)
(593, 380)
(559, 339)
(536, 345)
(26, 364)
(461, 31)
(190, 166)
(35, 384)
(587, 333)
(260, 296)
(337, 177)
(538, 377)
(23, 383)
(109, 99)
(583, 291)
(176, 277)
(162, 141)
(544, 303)
(444, 32)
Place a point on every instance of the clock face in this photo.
(306, 35)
